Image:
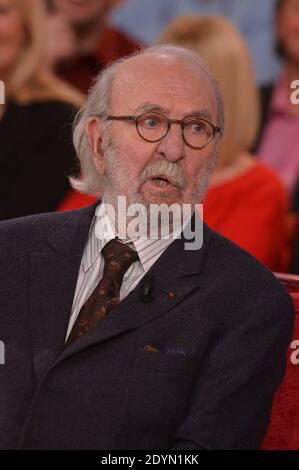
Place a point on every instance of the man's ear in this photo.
(93, 129)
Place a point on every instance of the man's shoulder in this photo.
(30, 233)
(243, 286)
(230, 263)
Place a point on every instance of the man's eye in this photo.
(197, 127)
(152, 122)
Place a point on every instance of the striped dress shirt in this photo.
(92, 263)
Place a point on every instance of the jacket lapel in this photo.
(53, 281)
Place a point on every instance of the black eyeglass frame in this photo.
(182, 123)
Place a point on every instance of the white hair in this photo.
(97, 104)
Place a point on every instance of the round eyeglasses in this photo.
(197, 132)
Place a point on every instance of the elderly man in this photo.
(117, 342)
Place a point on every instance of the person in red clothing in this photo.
(246, 201)
(251, 209)
(79, 42)
(75, 200)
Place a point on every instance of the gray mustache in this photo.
(162, 168)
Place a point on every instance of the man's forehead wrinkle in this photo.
(148, 106)
(157, 85)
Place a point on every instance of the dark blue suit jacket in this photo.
(221, 343)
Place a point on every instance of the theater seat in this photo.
(283, 432)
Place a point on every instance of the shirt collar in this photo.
(102, 231)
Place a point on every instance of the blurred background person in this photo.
(145, 19)
(279, 142)
(254, 203)
(79, 40)
(36, 120)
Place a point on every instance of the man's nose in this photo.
(172, 145)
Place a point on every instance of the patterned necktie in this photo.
(118, 258)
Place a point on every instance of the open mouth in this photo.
(161, 181)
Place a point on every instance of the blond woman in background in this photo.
(246, 201)
(35, 120)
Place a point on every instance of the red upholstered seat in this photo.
(283, 432)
